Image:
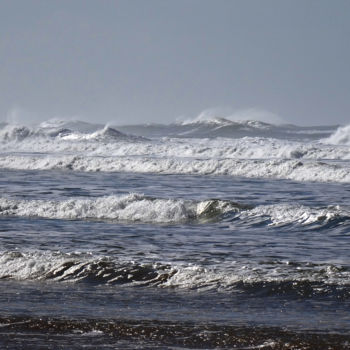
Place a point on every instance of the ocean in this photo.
(206, 234)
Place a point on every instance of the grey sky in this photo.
(155, 61)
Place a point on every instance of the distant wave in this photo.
(60, 131)
(213, 127)
(222, 122)
(140, 208)
(239, 116)
(270, 277)
(105, 134)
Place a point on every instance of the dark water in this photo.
(271, 273)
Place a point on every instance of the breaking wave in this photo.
(140, 208)
(340, 137)
(132, 207)
(271, 277)
(15, 133)
(106, 134)
(222, 122)
(18, 133)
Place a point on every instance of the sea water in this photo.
(211, 234)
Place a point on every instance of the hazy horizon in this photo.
(132, 62)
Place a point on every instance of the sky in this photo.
(140, 61)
